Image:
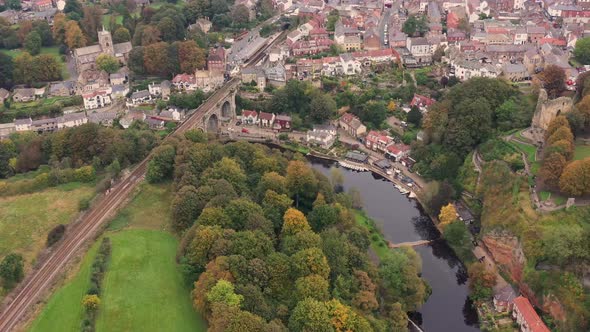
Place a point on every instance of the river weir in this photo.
(402, 220)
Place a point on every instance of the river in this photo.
(402, 220)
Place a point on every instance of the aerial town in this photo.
(295, 165)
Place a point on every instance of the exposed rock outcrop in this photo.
(507, 251)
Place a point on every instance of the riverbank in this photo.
(400, 220)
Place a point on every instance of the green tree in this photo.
(13, 4)
(121, 35)
(73, 6)
(214, 216)
(310, 315)
(415, 25)
(323, 216)
(33, 43)
(312, 286)
(582, 50)
(274, 207)
(481, 282)
(323, 107)
(11, 270)
(107, 63)
(185, 207)
(310, 261)
(415, 116)
(223, 292)
(229, 170)
(7, 152)
(6, 69)
(301, 183)
(46, 68)
(161, 166)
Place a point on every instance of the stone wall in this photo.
(548, 109)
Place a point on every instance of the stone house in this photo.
(102, 118)
(250, 117)
(504, 298)
(23, 124)
(155, 123)
(352, 125)
(282, 122)
(97, 99)
(6, 129)
(23, 95)
(4, 94)
(160, 89)
(61, 89)
(71, 120)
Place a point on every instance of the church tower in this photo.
(106, 42)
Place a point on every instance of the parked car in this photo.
(246, 131)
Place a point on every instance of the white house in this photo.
(141, 97)
(23, 124)
(250, 117)
(466, 69)
(71, 120)
(97, 99)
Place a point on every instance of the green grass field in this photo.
(582, 152)
(150, 209)
(63, 312)
(143, 288)
(25, 220)
(54, 50)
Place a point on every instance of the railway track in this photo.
(17, 305)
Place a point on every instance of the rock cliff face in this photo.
(507, 252)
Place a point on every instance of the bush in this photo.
(85, 174)
(84, 204)
(55, 234)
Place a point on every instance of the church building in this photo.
(86, 56)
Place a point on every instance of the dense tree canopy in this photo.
(253, 254)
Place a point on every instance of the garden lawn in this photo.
(143, 289)
(63, 312)
(581, 152)
(26, 219)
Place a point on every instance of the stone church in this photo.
(85, 57)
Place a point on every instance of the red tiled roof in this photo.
(247, 113)
(553, 41)
(265, 116)
(398, 148)
(420, 100)
(529, 314)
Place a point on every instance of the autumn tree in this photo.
(46, 68)
(23, 69)
(575, 179)
(155, 58)
(91, 21)
(481, 281)
(59, 28)
(74, 38)
(391, 106)
(312, 286)
(447, 215)
(150, 35)
(562, 133)
(301, 182)
(293, 222)
(91, 302)
(310, 315)
(553, 79)
(190, 56)
(274, 207)
(311, 261)
(555, 124)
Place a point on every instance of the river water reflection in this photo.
(402, 220)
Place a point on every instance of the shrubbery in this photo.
(91, 301)
(55, 234)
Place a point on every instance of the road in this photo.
(385, 19)
(18, 304)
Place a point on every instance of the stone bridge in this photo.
(219, 108)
